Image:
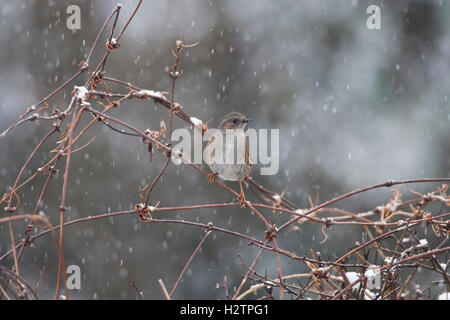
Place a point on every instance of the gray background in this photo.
(354, 107)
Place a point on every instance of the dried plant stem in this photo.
(249, 272)
(186, 266)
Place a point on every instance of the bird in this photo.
(234, 171)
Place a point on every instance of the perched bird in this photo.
(234, 171)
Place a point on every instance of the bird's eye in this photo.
(235, 121)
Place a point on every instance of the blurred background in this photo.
(354, 107)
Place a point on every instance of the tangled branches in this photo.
(383, 264)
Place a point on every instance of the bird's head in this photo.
(234, 120)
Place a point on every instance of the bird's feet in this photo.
(241, 196)
(211, 177)
(241, 199)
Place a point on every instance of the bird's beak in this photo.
(247, 120)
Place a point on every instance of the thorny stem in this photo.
(62, 207)
(114, 11)
(13, 190)
(388, 183)
(252, 267)
(189, 262)
(33, 108)
(280, 273)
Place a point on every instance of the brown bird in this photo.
(234, 171)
